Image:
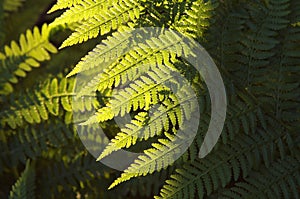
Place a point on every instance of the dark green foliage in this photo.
(25, 186)
(255, 45)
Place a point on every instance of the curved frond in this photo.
(197, 19)
(46, 99)
(150, 53)
(32, 141)
(281, 180)
(34, 47)
(102, 22)
(102, 54)
(161, 156)
(25, 186)
(232, 160)
(62, 4)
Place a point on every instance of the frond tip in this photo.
(18, 59)
(279, 181)
(25, 186)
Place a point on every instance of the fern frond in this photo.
(17, 60)
(81, 10)
(281, 180)
(261, 39)
(145, 126)
(67, 177)
(162, 155)
(46, 99)
(243, 112)
(144, 187)
(144, 92)
(281, 86)
(62, 4)
(197, 19)
(104, 21)
(104, 53)
(35, 108)
(25, 186)
(32, 141)
(150, 53)
(237, 157)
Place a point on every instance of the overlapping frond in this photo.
(197, 19)
(18, 59)
(162, 155)
(35, 108)
(235, 159)
(281, 180)
(62, 4)
(25, 186)
(80, 170)
(98, 18)
(102, 54)
(148, 53)
(145, 126)
(81, 10)
(255, 46)
(36, 105)
(243, 112)
(32, 141)
(282, 83)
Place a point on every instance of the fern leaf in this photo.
(142, 93)
(197, 19)
(279, 181)
(159, 157)
(143, 127)
(17, 60)
(25, 186)
(245, 112)
(103, 54)
(103, 22)
(62, 4)
(80, 10)
(235, 158)
(150, 53)
(61, 177)
(45, 100)
(165, 152)
(32, 141)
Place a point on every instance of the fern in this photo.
(279, 181)
(151, 54)
(160, 156)
(198, 17)
(92, 22)
(80, 170)
(236, 158)
(104, 53)
(62, 4)
(144, 74)
(17, 60)
(145, 126)
(243, 112)
(24, 187)
(46, 100)
(32, 141)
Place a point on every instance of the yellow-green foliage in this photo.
(255, 45)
